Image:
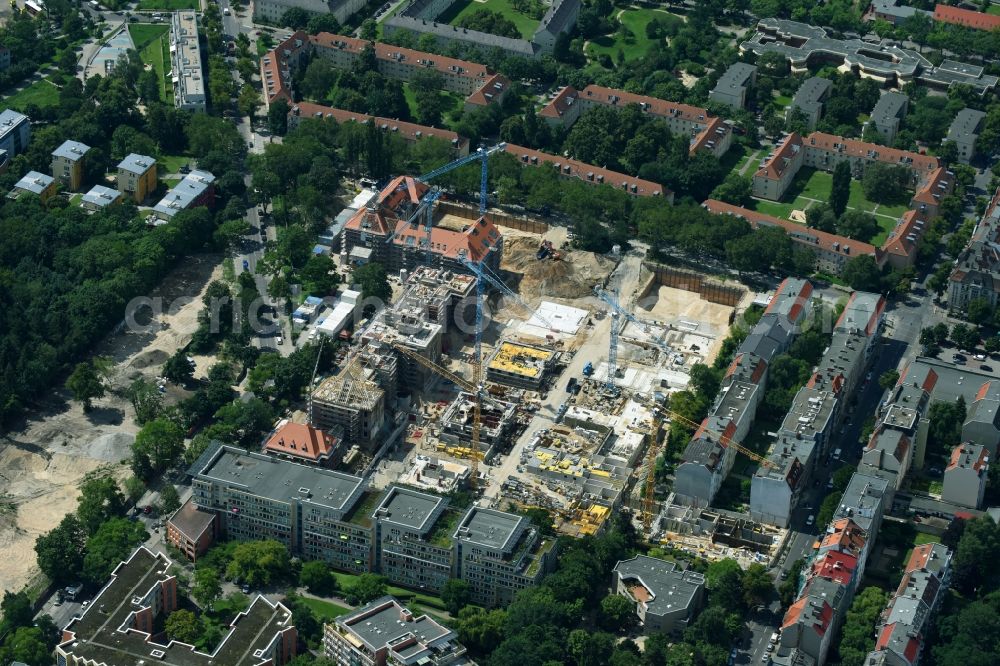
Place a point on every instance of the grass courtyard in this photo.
(634, 45)
(153, 43)
(452, 102)
(812, 187)
(525, 24)
(325, 610)
(41, 93)
(167, 5)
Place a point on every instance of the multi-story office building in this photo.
(67, 164)
(137, 176)
(120, 623)
(384, 633)
(15, 132)
(185, 54)
(307, 508)
(413, 544)
(498, 554)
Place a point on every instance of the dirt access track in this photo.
(44, 459)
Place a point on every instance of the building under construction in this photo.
(496, 419)
(385, 231)
(523, 366)
(352, 401)
(406, 324)
(441, 292)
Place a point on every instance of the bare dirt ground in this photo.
(43, 460)
(574, 276)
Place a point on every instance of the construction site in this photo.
(527, 371)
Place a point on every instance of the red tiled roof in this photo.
(652, 105)
(936, 186)
(801, 300)
(409, 131)
(275, 69)
(910, 650)
(836, 565)
(383, 218)
(919, 557)
(960, 450)
(775, 166)
(715, 130)
(847, 536)
(443, 64)
(476, 240)
(490, 91)
(560, 103)
(865, 150)
(820, 239)
(904, 238)
(983, 391)
(301, 441)
(966, 17)
(588, 172)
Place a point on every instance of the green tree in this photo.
(758, 586)
(617, 613)
(374, 282)
(295, 18)
(259, 563)
(965, 337)
(183, 625)
(480, 630)
(249, 100)
(100, 500)
(178, 369)
(840, 191)
(735, 189)
(979, 311)
(60, 551)
(146, 400)
(827, 509)
(111, 544)
(316, 577)
(724, 582)
(862, 274)
(455, 595)
(858, 633)
(323, 23)
(883, 183)
(367, 587)
(277, 117)
(858, 225)
(207, 586)
(135, 488)
(170, 501)
(88, 381)
(888, 379)
(160, 442)
(27, 645)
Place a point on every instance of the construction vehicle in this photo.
(588, 370)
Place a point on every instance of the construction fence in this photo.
(703, 285)
(502, 219)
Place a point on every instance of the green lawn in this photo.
(325, 610)
(40, 93)
(156, 53)
(782, 100)
(144, 33)
(633, 46)
(993, 9)
(171, 163)
(525, 24)
(451, 102)
(169, 5)
(407, 597)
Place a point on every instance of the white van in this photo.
(225, 10)
(836, 454)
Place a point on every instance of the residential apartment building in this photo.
(708, 457)
(36, 184)
(888, 114)
(731, 88)
(804, 45)
(817, 411)
(899, 440)
(413, 544)
(381, 232)
(272, 11)
(192, 531)
(195, 189)
(123, 624)
(778, 169)
(384, 633)
(982, 421)
(905, 623)
(704, 131)
(964, 131)
(808, 100)
(137, 176)
(893, 11)
(976, 275)
(100, 197)
(185, 55)
(967, 18)
(408, 132)
(67, 164)
(499, 554)
(965, 476)
(832, 252)
(666, 598)
(306, 508)
(300, 442)
(589, 173)
(15, 132)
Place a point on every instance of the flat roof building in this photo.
(15, 132)
(100, 197)
(731, 88)
(809, 99)
(186, 71)
(192, 531)
(39, 184)
(966, 474)
(665, 597)
(524, 366)
(976, 274)
(964, 131)
(383, 633)
(119, 624)
(195, 189)
(888, 114)
(137, 176)
(67, 164)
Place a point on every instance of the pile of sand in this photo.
(574, 276)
